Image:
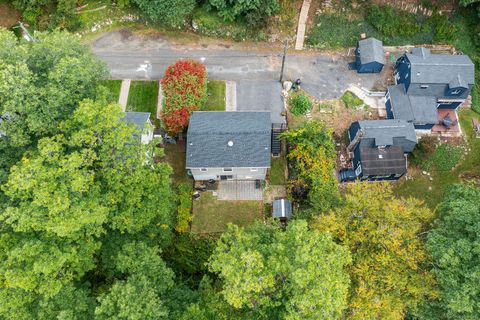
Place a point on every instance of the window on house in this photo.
(254, 169)
(203, 169)
(456, 91)
(424, 86)
(227, 169)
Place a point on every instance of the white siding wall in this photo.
(236, 173)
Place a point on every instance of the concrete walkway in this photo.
(159, 101)
(123, 97)
(302, 21)
(230, 96)
(238, 190)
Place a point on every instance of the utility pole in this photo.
(285, 48)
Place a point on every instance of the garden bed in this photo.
(212, 216)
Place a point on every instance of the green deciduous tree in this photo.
(389, 270)
(172, 13)
(42, 84)
(275, 274)
(454, 244)
(313, 155)
(78, 191)
(256, 12)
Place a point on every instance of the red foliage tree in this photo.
(185, 90)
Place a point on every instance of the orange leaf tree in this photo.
(185, 90)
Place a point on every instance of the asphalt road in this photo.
(132, 57)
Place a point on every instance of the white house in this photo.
(142, 123)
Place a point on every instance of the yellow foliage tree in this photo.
(384, 234)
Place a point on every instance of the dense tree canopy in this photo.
(388, 272)
(42, 83)
(275, 274)
(168, 12)
(256, 12)
(82, 193)
(454, 244)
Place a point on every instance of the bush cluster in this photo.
(184, 207)
(350, 100)
(300, 104)
(184, 91)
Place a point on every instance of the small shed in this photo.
(282, 209)
(369, 56)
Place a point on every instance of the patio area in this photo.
(447, 116)
(239, 190)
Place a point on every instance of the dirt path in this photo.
(302, 21)
(8, 15)
(123, 97)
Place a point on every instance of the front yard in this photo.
(142, 97)
(212, 216)
(216, 96)
(431, 188)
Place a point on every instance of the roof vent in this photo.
(230, 143)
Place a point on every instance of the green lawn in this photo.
(212, 216)
(142, 97)
(432, 191)
(113, 87)
(216, 96)
(277, 171)
(175, 156)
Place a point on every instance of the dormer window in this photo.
(456, 91)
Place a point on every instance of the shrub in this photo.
(426, 146)
(300, 104)
(184, 206)
(392, 22)
(350, 100)
(185, 90)
(255, 12)
(169, 12)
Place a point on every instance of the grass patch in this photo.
(351, 101)
(216, 96)
(212, 216)
(175, 157)
(277, 170)
(431, 191)
(113, 87)
(142, 97)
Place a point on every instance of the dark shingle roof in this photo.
(282, 208)
(384, 131)
(458, 82)
(439, 68)
(371, 50)
(383, 161)
(137, 118)
(229, 139)
(419, 109)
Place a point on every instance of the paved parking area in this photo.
(238, 190)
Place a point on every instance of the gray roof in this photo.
(418, 109)
(384, 131)
(282, 208)
(383, 161)
(137, 118)
(427, 67)
(458, 82)
(229, 139)
(371, 50)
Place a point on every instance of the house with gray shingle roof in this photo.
(380, 148)
(369, 56)
(229, 145)
(426, 82)
(143, 125)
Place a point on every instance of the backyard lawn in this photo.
(212, 216)
(216, 96)
(432, 191)
(142, 97)
(277, 170)
(175, 156)
(113, 87)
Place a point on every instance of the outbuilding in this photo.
(369, 56)
(282, 209)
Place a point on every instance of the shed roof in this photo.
(418, 109)
(282, 208)
(229, 139)
(383, 161)
(384, 131)
(427, 67)
(371, 50)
